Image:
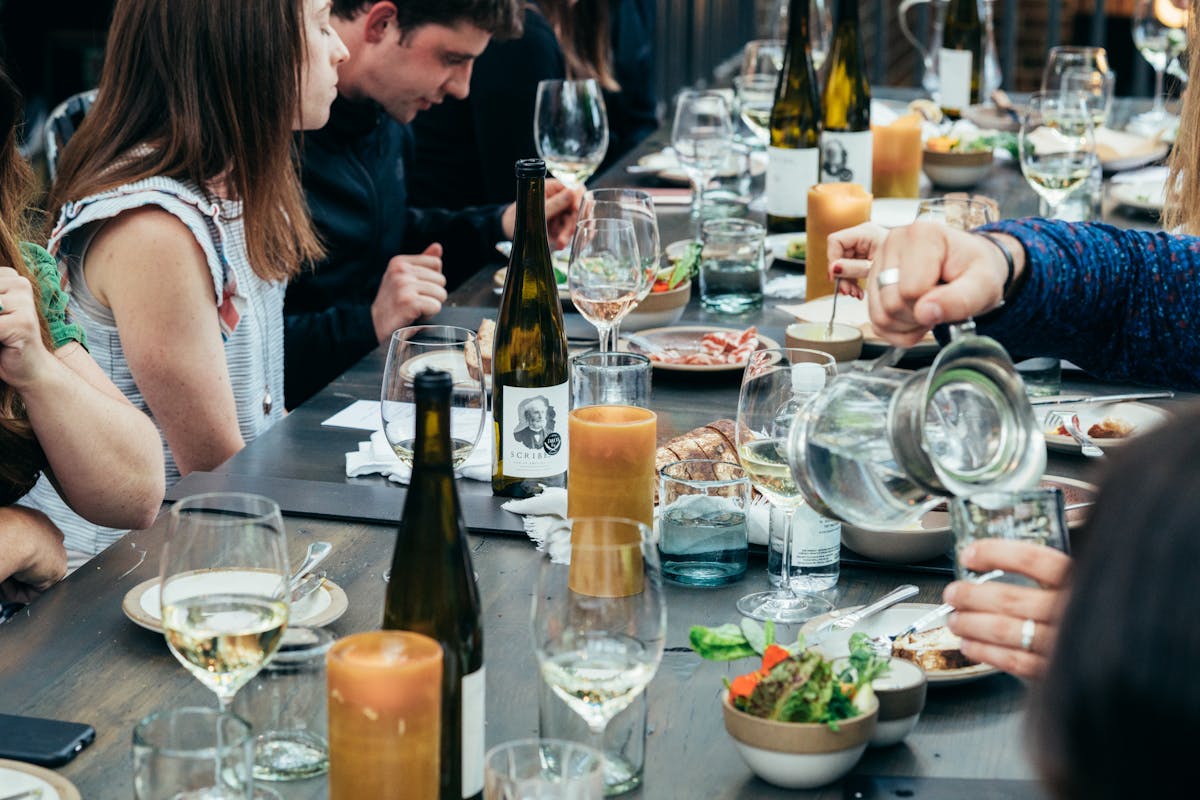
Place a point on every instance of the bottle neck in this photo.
(431, 450)
(530, 229)
(798, 26)
(847, 13)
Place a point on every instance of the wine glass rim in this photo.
(574, 82)
(257, 507)
(405, 334)
(603, 222)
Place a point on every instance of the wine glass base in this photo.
(781, 608)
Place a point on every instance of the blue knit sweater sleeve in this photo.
(1122, 304)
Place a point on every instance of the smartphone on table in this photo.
(45, 742)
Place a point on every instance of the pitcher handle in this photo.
(961, 329)
(908, 34)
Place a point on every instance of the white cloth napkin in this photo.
(376, 457)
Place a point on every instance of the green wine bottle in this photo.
(793, 157)
(960, 61)
(530, 389)
(432, 587)
(846, 140)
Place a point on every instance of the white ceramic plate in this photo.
(1145, 154)
(777, 247)
(1141, 416)
(17, 777)
(687, 337)
(933, 536)
(326, 604)
(887, 622)
(1143, 195)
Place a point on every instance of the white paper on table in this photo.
(361, 415)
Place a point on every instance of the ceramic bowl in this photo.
(844, 344)
(659, 309)
(956, 170)
(901, 696)
(798, 755)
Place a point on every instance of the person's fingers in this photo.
(1022, 663)
(859, 241)
(1001, 630)
(1006, 599)
(434, 249)
(852, 268)
(955, 301)
(1049, 567)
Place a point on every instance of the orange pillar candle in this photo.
(896, 159)
(611, 468)
(385, 716)
(831, 207)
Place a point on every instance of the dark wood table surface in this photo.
(73, 654)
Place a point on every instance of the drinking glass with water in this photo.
(732, 266)
(703, 538)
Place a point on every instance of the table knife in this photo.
(1078, 399)
(853, 618)
(307, 586)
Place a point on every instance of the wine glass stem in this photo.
(698, 183)
(614, 335)
(605, 334)
(1160, 106)
(785, 567)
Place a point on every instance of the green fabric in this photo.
(54, 299)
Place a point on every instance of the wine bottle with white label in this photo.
(793, 158)
(960, 61)
(432, 588)
(846, 139)
(530, 371)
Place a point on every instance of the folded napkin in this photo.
(787, 287)
(376, 457)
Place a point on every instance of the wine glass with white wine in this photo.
(1057, 144)
(441, 347)
(1160, 35)
(570, 128)
(224, 592)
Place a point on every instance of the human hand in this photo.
(32, 555)
(23, 352)
(990, 617)
(940, 274)
(562, 212)
(850, 252)
(412, 287)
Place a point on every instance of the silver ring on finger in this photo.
(887, 277)
(1028, 629)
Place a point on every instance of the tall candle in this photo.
(831, 207)
(385, 713)
(611, 472)
(896, 165)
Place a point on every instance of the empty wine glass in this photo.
(441, 347)
(1084, 70)
(763, 56)
(224, 593)
(605, 273)
(701, 136)
(570, 128)
(1160, 35)
(599, 617)
(1057, 144)
(775, 385)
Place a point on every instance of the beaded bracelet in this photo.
(1008, 259)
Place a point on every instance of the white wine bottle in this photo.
(960, 61)
(530, 378)
(432, 588)
(794, 156)
(846, 140)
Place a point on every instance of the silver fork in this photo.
(1089, 448)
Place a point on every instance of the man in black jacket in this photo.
(387, 264)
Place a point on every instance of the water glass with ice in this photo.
(703, 534)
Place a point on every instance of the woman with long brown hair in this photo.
(178, 216)
(467, 145)
(59, 414)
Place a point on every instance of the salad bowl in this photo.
(659, 309)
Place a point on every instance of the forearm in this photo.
(31, 548)
(1116, 302)
(105, 455)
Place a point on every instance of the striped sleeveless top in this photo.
(250, 311)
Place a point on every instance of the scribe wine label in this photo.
(846, 157)
(533, 430)
(790, 173)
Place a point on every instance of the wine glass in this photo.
(763, 56)
(224, 592)
(775, 385)
(753, 98)
(570, 128)
(637, 207)
(1160, 35)
(1084, 70)
(1057, 144)
(442, 347)
(599, 618)
(701, 136)
(605, 273)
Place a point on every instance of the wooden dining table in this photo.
(73, 654)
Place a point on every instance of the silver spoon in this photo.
(833, 312)
(317, 552)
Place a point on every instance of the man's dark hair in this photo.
(500, 18)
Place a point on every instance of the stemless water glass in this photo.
(543, 769)
(191, 754)
(441, 347)
(637, 207)
(1160, 35)
(605, 274)
(570, 128)
(775, 385)
(599, 617)
(962, 213)
(1057, 144)
(703, 533)
(701, 135)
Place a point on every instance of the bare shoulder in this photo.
(143, 244)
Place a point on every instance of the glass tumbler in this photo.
(543, 769)
(610, 379)
(192, 753)
(1032, 515)
(703, 533)
(732, 266)
(286, 705)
